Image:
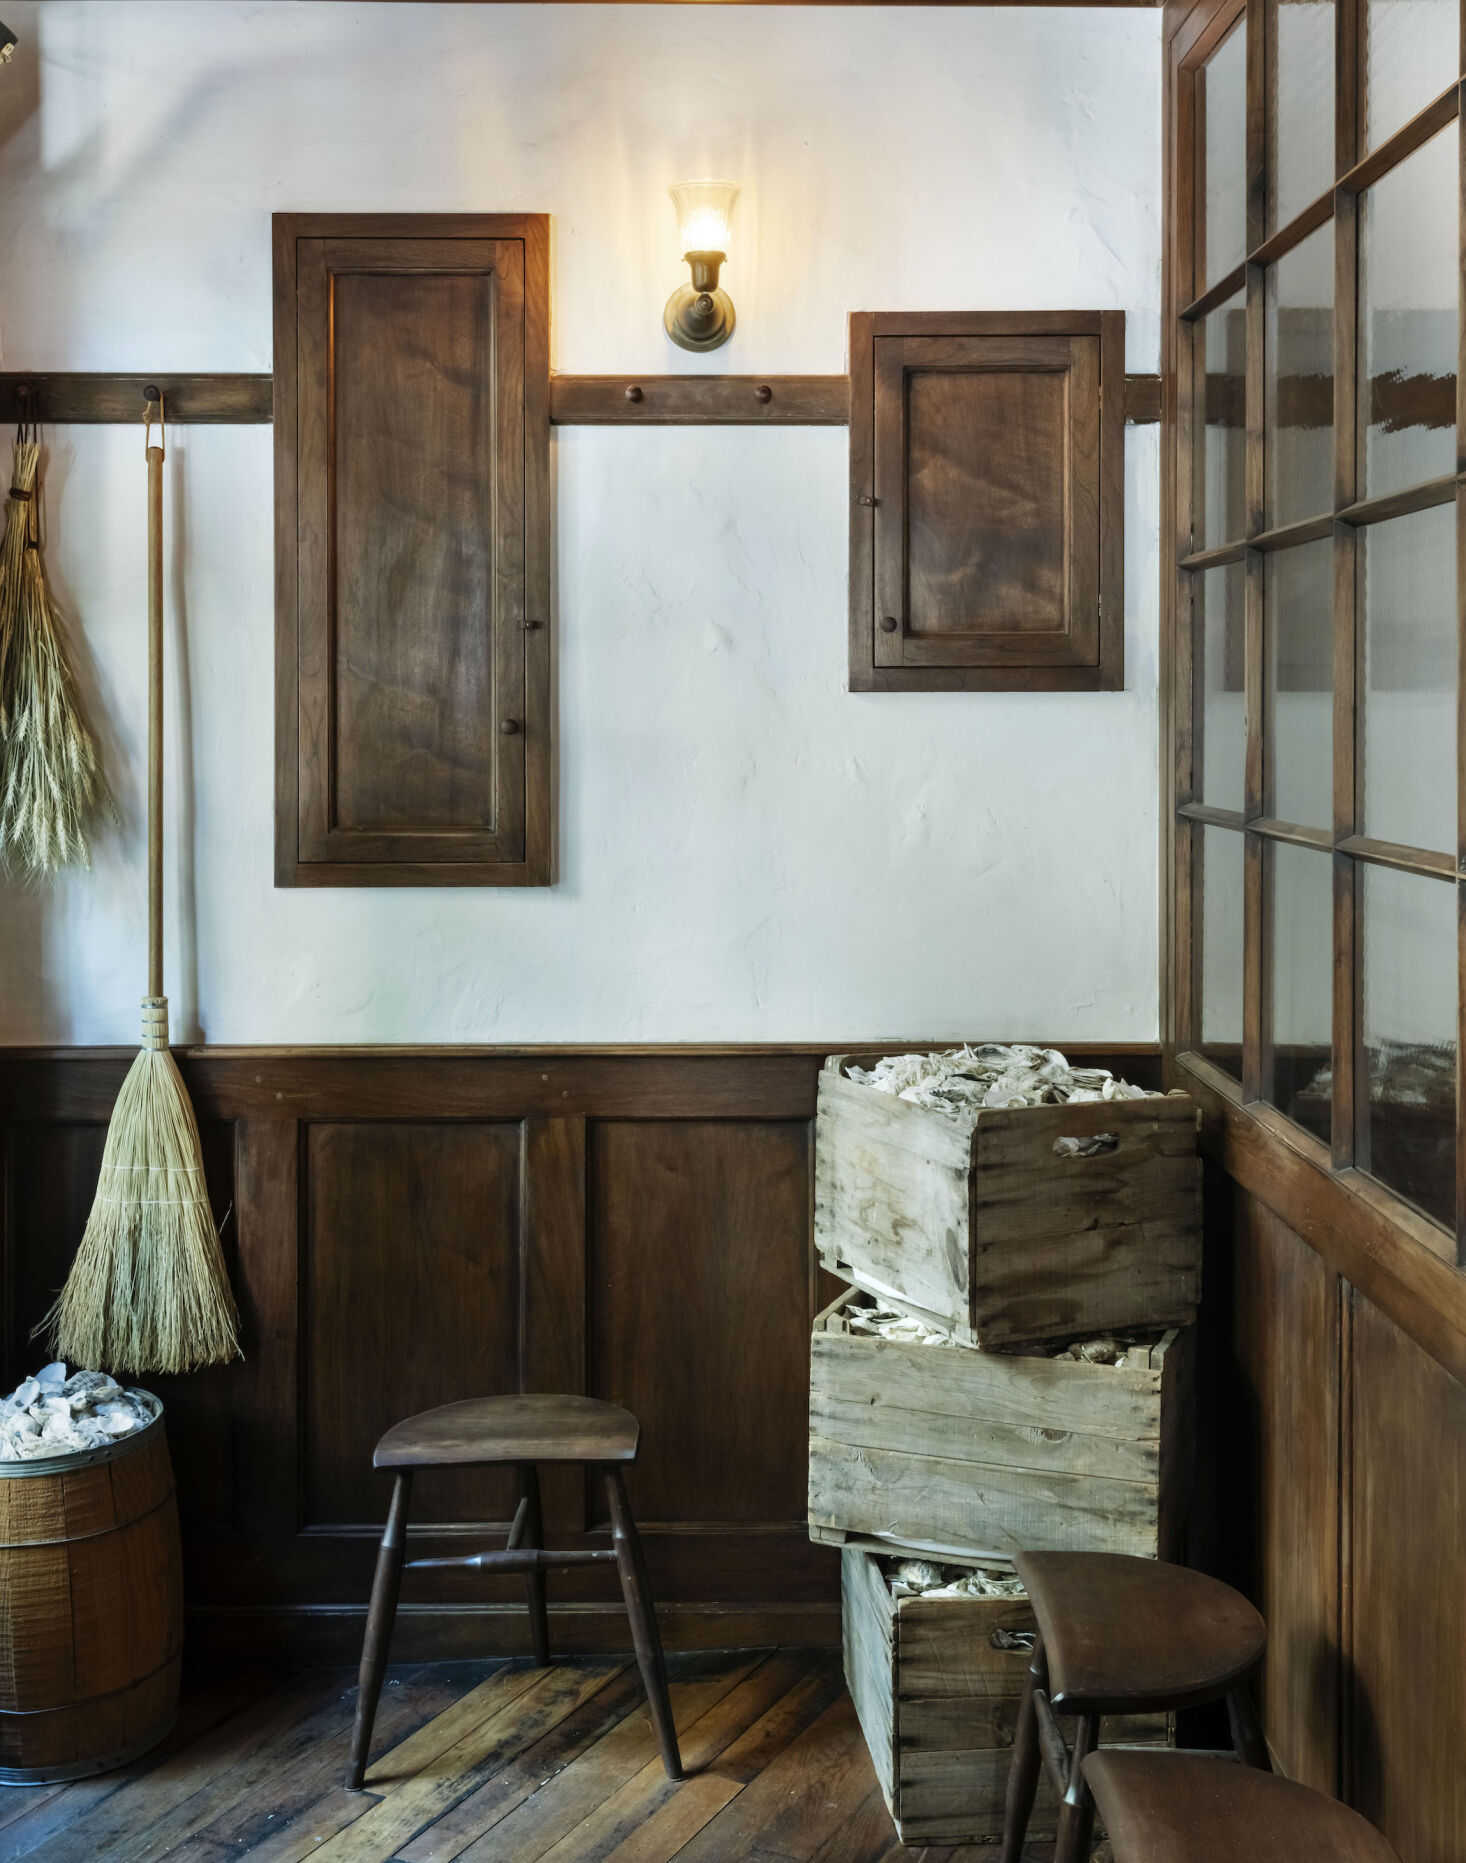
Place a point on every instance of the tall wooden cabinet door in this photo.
(413, 718)
(986, 543)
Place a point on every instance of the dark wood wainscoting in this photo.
(406, 1227)
(1338, 1503)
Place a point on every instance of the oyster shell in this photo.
(53, 1414)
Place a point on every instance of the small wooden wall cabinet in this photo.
(987, 483)
(936, 1682)
(412, 527)
(986, 1454)
(993, 1235)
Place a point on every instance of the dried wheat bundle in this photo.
(50, 782)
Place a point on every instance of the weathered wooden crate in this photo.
(985, 1454)
(994, 1235)
(936, 1684)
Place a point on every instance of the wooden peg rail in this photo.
(575, 400)
(717, 400)
(231, 399)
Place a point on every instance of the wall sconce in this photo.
(699, 315)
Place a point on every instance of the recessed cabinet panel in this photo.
(413, 703)
(987, 502)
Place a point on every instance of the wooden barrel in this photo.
(91, 1608)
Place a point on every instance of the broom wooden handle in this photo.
(155, 720)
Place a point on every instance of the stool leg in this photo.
(1076, 1809)
(1027, 1758)
(534, 1582)
(1247, 1734)
(644, 1633)
(380, 1616)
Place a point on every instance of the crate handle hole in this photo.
(1013, 1640)
(1093, 1145)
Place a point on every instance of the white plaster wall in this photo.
(748, 851)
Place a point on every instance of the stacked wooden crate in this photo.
(936, 1683)
(1012, 1232)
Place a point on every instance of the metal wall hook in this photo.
(155, 404)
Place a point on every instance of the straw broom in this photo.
(49, 778)
(148, 1289)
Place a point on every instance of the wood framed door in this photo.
(413, 703)
(987, 510)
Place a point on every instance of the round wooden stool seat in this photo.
(1129, 1636)
(525, 1428)
(1172, 1808)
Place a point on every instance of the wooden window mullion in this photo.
(1256, 951)
(1461, 683)
(1350, 1076)
(1190, 427)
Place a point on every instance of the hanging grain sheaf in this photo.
(50, 782)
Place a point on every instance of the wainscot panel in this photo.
(1333, 1472)
(1287, 1417)
(1407, 1601)
(406, 1226)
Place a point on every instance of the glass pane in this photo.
(1219, 922)
(1303, 984)
(1411, 48)
(1407, 320)
(1300, 130)
(1298, 387)
(1220, 595)
(1408, 745)
(1407, 1135)
(1298, 618)
(1221, 505)
(1221, 98)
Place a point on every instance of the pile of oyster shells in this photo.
(53, 1414)
(888, 1323)
(924, 1578)
(883, 1322)
(962, 1080)
(1108, 1350)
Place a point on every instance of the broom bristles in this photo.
(148, 1290)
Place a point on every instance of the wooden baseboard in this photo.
(428, 1633)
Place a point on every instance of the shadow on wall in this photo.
(178, 777)
(31, 914)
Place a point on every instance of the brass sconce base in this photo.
(698, 319)
(700, 315)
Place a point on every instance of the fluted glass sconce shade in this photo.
(700, 315)
(704, 209)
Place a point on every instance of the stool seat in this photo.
(1171, 1808)
(522, 1428)
(1129, 1636)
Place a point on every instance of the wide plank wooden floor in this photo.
(491, 1762)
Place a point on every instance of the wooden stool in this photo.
(1120, 1635)
(1177, 1808)
(523, 1430)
